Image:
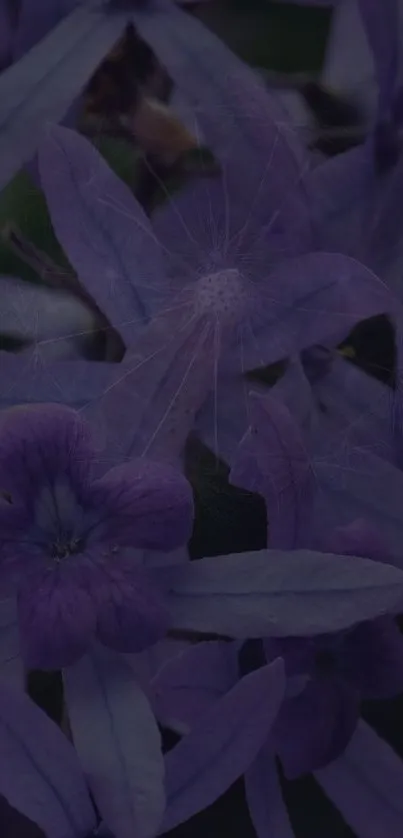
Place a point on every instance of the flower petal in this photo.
(35, 22)
(131, 613)
(198, 230)
(220, 749)
(360, 538)
(143, 504)
(104, 232)
(48, 80)
(11, 666)
(263, 796)
(315, 727)
(39, 446)
(58, 323)
(238, 116)
(319, 295)
(373, 659)
(272, 461)
(191, 682)
(365, 784)
(40, 774)
(382, 31)
(56, 619)
(279, 594)
(360, 407)
(160, 386)
(30, 379)
(118, 742)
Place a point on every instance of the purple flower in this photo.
(68, 540)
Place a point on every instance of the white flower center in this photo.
(222, 295)
(59, 521)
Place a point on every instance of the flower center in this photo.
(223, 295)
(62, 548)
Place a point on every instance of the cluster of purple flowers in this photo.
(276, 259)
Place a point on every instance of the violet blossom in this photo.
(230, 301)
(64, 537)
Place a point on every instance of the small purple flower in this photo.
(68, 541)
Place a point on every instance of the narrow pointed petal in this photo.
(238, 116)
(280, 594)
(190, 683)
(40, 774)
(102, 229)
(319, 295)
(373, 659)
(263, 795)
(354, 484)
(34, 22)
(118, 743)
(315, 727)
(222, 747)
(366, 785)
(359, 407)
(382, 31)
(272, 461)
(42, 86)
(159, 388)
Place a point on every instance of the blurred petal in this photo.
(315, 727)
(382, 30)
(131, 614)
(365, 784)
(118, 743)
(11, 666)
(41, 445)
(373, 659)
(56, 620)
(143, 504)
(105, 233)
(41, 86)
(264, 798)
(40, 774)
(29, 378)
(220, 749)
(58, 323)
(35, 21)
(190, 683)
(272, 461)
(279, 594)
